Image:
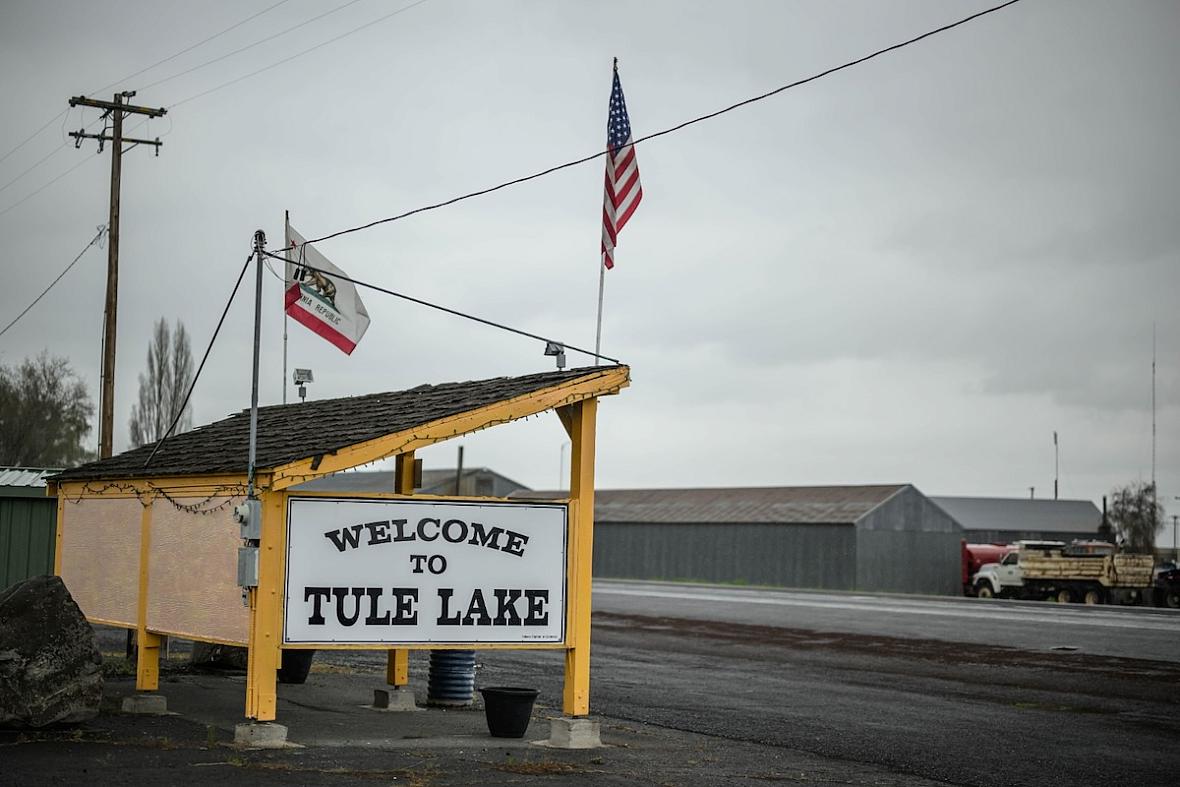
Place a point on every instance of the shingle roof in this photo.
(776, 504)
(291, 432)
(1021, 514)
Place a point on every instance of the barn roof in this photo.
(774, 504)
(292, 433)
(1022, 514)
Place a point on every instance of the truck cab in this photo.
(1005, 578)
(999, 580)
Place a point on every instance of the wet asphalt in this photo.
(683, 700)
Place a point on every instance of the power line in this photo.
(38, 163)
(30, 137)
(238, 51)
(188, 49)
(101, 231)
(332, 40)
(32, 194)
(201, 366)
(454, 312)
(669, 130)
(80, 164)
(223, 85)
(44, 158)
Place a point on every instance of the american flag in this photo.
(623, 192)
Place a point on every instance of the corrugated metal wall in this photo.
(808, 556)
(905, 545)
(27, 537)
(908, 545)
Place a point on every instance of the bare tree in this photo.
(162, 389)
(45, 413)
(1136, 516)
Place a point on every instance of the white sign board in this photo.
(385, 571)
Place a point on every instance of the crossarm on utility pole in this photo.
(118, 106)
(81, 135)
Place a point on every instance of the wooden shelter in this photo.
(154, 548)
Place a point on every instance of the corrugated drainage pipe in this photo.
(452, 678)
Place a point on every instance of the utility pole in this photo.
(1056, 464)
(115, 111)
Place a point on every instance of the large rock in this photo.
(50, 665)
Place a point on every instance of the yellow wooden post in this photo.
(266, 612)
(147, 659)
(397, 668)
(57, 534)
(580, 422)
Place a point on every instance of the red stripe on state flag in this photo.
(322, 329)
(291, 298)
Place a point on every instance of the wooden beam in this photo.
(609, 381)
(576, 693)
(59, 535)
(147, 657)
(403, 474)
(266, 610)
(567, 418)
(397, 664)
(175, 486)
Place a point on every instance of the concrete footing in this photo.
(394, 698)
(148, 704)
(574, 733)
(260, 735)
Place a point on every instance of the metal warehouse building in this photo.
(868, 538)
(1002, 520)
(27, 524)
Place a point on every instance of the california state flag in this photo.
(327, 305)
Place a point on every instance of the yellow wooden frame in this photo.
(576, 404)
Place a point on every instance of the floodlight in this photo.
(557, 351)
(302, 378)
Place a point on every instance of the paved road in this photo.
(909, 685)
(1131, 632)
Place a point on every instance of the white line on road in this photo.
(864, 603)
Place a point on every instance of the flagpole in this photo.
(259, 245)
(598, 330)
(286, 242)
(601, 275)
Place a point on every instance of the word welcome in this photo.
(454, 531)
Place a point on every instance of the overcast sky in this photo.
(911, 271)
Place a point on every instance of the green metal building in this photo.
(28, 521)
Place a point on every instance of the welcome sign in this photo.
(381, 571)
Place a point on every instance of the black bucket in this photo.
(508, 709)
